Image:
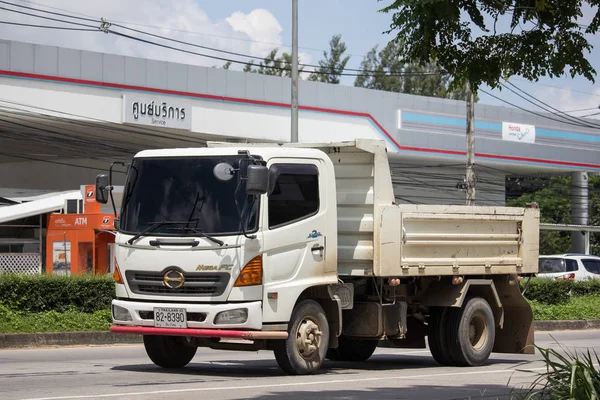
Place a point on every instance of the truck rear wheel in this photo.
(357, 350)
(437, 335)
(304, 350)
(471, 333)
(169, 351)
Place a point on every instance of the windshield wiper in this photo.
(153, 226)
(201, 233)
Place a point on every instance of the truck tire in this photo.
(471, 333)
(437, 335)
(169, 351)
(304, 350)
(357, 350)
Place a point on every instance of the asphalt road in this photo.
(125, 372)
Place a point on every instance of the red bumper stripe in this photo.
(205, 333)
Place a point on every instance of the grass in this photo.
(568, 375)
(51, 321)
(577, 308)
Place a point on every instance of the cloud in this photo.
(239, 32)
(566, 100)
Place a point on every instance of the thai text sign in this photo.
(157, 111)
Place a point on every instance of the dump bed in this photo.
(426, 240)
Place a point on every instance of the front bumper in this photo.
(254, 308)
(203, 333)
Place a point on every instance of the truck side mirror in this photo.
(257, 179)
(102, 184)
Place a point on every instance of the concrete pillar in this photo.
(579, 210)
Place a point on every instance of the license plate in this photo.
(170, 318)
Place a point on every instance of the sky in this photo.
(256, 26)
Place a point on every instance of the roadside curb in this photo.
(17, 340)
(574, 325)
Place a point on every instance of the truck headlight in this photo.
(121, 314)
(237, 316)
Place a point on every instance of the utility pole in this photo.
(579, 211)
(470, 174)
(294, 131)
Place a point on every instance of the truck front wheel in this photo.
(357, 350)
(304, 350)
(169, 351)
(471, 332)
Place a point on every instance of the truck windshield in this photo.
(183, 197)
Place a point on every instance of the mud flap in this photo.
(517, 334)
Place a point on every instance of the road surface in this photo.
(125, 372)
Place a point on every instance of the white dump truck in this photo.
(301, 249)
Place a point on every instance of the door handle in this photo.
(317, 247)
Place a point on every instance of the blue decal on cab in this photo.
(314, 234)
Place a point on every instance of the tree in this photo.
(540, 37)
(333, 63)
(382, 71)
(273, 64)
(227, 65)
(554, 198)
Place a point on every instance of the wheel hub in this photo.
(478, 331)
(308, 338)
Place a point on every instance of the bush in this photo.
(578, 308)
(40, 293)
(550, 291)
(12, 321)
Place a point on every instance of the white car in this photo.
(569, 266)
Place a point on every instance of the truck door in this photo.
(295, 235)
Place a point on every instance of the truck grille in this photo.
(196, 284)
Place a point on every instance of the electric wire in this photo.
(530, 111)
(65, 28)
(557, 111)
(357, 73)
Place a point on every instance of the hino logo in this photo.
(105, 220)
(90, 193)
(173, 279)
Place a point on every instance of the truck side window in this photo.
(293, 193)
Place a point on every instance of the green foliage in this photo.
(577, 308)
(554, 198)
(483, 41)
(381, 71)
(550, 291)
(333, 63)
(569, 375)
(273, 64)
(40, 293)
(12, 321)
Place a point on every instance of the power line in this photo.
(65, 28)
(359, 72)
(568, 117)
(189, 32)
(583, 109)
(557, 87)
(531, 112)
(590, 115)
(55, 162)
